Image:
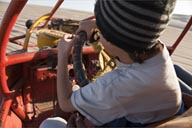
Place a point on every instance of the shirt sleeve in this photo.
(97, 101)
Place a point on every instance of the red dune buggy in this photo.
(28, 77)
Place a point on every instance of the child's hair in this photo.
(133, 25)
(140, 55)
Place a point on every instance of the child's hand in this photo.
(66, 43)
(88, 26)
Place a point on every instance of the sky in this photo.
(182, 6)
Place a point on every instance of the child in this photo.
(143, 89)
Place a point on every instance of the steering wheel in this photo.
(106, 62)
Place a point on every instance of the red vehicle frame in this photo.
(17, 92)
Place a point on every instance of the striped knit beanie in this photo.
(133, 24)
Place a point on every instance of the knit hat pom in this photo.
(133, 23)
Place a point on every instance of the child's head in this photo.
(133, 25)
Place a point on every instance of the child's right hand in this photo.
(65, 44)
(88, 26)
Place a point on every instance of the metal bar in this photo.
(26, 56)
(53, 11)
(4, 111)
(7, 23)
(185, 30)
(17, 37)
(45, 18)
